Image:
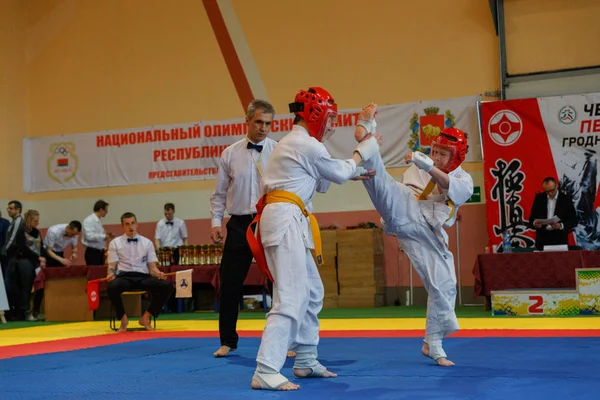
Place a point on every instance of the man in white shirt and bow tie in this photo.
(237, 191)
(171, 232)
(132, 265)
(94, 237)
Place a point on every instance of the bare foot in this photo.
(223, 351)
(291, 353)
(286, 386)
(425, 349)
(444, 362)
(145, 321)
(305, 372)
(367, 113)
(124, 323)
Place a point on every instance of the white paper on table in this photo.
(547, 221)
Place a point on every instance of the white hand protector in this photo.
(368, 148)
(370, 126)
(360, 171)
(422, 161)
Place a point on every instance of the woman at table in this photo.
(28, 258)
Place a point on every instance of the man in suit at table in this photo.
(546, 205)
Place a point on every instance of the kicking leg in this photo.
(394, 201)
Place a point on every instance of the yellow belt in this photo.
(282, 196)
(428, 189)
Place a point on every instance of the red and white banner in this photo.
(191, 151)
(525, 141)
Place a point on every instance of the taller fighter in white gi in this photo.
(299, 165)
(416, 211)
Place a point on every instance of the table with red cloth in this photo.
(82, 273)
(533, 270)
(92, 272)
(65, 297)
(210, 274)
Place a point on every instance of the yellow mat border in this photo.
(36, 334)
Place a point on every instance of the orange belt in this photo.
(428, 189)
(255, 242)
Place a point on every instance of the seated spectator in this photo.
(132, 265)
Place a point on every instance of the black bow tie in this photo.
(129, 240)
(169, 222)
(257, 147)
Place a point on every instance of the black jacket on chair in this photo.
(565, 210)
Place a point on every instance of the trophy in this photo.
(182, 255)
(215, 254)
(211, 255)
(159, 254)
(219, 251)
(165, 256)
(201, 255)
(189, 255)
(197, 255)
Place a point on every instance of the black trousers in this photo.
(235, 264)
(22, 275)
(159, 291)
(94, 256)
(4, 263)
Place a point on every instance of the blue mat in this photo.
(487, 368)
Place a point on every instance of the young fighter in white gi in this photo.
(298, 166)
(416, 211)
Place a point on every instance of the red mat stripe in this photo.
(54, 346)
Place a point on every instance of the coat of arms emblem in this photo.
(426, 127)
(62, 162)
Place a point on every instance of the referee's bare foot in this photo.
(291, 353)
(223, 351)
(124, 323)
(444, 362)
(145, 321)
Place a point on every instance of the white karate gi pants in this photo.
(297, 295)
(426, 249)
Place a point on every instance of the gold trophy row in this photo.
(200, 254)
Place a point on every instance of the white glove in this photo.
(370, 126)
(367, 148)
(422, 161)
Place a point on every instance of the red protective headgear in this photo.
(317, 107)
(454, 140)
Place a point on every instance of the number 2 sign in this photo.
(536, 305)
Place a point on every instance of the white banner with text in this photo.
(191, 151)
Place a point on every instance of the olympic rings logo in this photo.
(61, 150)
